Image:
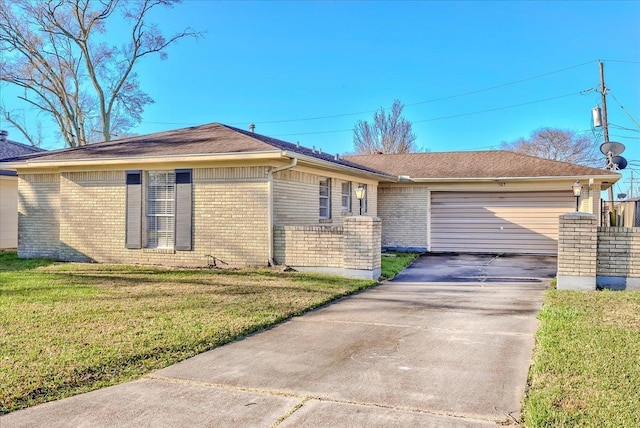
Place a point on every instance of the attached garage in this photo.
(482, 202)
(497, 222)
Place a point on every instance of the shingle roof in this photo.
(481, 164)
(210, 139)
(12, 149)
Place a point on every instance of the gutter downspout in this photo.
(294, 162)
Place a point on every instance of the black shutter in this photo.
(184, 229)
(133, 227)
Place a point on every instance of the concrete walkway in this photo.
(406, 353)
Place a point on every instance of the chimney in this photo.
(252, 127)
(3, 136)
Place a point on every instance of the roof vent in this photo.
(298, 144)
(313, 149)
(337, 156)
(252, 127)
(320, 150)
(3, 136)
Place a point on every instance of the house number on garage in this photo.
(501, 183)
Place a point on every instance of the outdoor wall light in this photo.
(360, 193)
(577, 190)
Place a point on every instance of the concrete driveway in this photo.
(448, 343)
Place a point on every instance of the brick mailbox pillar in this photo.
(362, 247)
(577, 251)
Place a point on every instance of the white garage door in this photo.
(504, 222)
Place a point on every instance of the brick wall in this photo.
(305, 246)
(590, 256)
(618, 263)
(404, 214)
(362, 243)
(352, 250)
(296, 200)
(39, 215)
(577, 248)
(80, 216)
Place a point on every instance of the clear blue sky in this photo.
(278, 63)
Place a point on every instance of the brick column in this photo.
(577, 251)
(362, 247)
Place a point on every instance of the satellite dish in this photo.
(615, 148)
(620, 161)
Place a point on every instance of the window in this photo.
(346, 196)
(325, 198)
(167, 209)
(161, 190)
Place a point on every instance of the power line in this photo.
(625, 110)
(625, 136)
(502, 85)
(498, 108)
(623, 128)
(445, 117)
(333, 116)
(621, 61)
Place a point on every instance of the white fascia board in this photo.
(613, 179)
(217, 157)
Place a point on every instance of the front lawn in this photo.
(67, 328)
(586, 368)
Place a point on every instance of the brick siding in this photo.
(353, 247)
(80, 216)
(296, 200)
(404, 214)
(309, 245)
(577, 244)
(39, 215)
(608, 255)
(619, 252)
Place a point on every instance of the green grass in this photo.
(71, 328)
(586, 368)
(391, 266)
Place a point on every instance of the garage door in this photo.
(505, 222)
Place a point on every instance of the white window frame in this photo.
(346, 196)
(324, 198)
(160, 209)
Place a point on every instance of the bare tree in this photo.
(55, 51)
(389, 133)
(557, 144)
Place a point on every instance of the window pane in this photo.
(325, 197)
(346, 196)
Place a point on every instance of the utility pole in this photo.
(605, 131)
(603, 92)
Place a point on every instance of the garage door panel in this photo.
(513, 222)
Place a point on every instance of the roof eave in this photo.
(609, 178)
(36, 164)
(345, 168)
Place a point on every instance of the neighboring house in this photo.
(484, 201)
(9, 191)
(222, 194)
